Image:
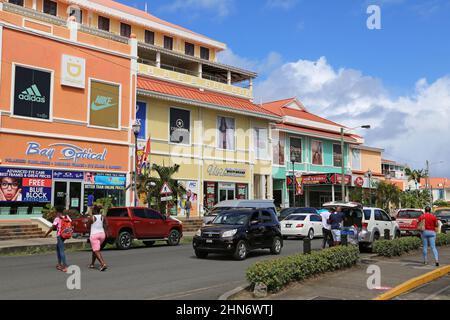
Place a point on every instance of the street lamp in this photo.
(343, 130)
(369, 175)
(293, 181)
(136, 129)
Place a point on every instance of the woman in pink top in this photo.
(429, 234)
(62, 264)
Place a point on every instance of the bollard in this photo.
(387, 234)
(306, 245)
(344, 238)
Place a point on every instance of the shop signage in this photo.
(32, 89)
(73, 71)
(329, 178)
(180, 126)
(25, 185)
(213, 170)
(359, 181)
(69, 175)
(141, 118)
(210, 194)
(94, 180)
(241, 191)
(67, 151)
(104, 104)
(169, 198)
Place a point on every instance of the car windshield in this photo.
(295, 217)
(232, 218)
(409, 214)
(443, 212)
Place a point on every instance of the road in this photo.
(159, 272)
(435, 290)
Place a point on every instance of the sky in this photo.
(397, 78)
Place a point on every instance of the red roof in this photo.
(436, 183)
(205, 96)
(314, 132)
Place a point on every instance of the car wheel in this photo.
(174, 238)
(363, 247)
(397, 234)
(149, 243)
(241, 251)
(124, 240)
(376, 236)
(276, 246)
(311, 234)
(201, 254)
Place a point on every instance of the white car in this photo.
(302, 225)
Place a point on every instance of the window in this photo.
(32, 93)
(378, 215)
(149, 37)
(356, 159)
(152, 214)
(315, 218)
(278, 149)
(204, 53)
(17, 2)
(103, 23)
(140, 213)
(266, 216)
(168, 43)
(180, 125)
(317, 152)
(337, 155)
(367, 214)
(117, 213)
(441, 194)
(189, 49)
(50, 7)
(125, 30)
(296, 150)
(385, 216)
(77, 13)
(225, 135)
(260, 140)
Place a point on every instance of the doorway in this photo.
(227, 191)
(67, 194)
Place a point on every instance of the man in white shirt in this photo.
(326, 228)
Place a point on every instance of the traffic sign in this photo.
(166, 189)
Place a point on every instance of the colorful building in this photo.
(439, 187)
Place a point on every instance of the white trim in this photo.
(37, 22)
(313, 124)
(323, 162)
(190, 144)
(61, 136)
(119, 124)
(70, 121)
(64, 40)
(373, 149)
(314, 135)
(121, 15)
(13, 84)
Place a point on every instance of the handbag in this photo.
(421, 225)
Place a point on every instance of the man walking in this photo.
(326, 228)
(335, 220)
(90, 203)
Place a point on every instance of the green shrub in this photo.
(443, 239)
(277, 273)
(396, 247)
(49, 213)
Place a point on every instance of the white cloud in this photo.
(283, 4)
(221, 8)
(270, 62)
(410, 128)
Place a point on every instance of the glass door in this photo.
(75, 196)
(60, 194)
(230, 195)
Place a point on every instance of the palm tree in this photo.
(387, 194)
(416, 175)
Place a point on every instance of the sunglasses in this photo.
(5, 185)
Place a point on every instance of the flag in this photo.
(147, 150)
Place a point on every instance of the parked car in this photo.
(238, 231)
(302, 226)
(443, 215)
(288, 211)
(237, 204)
(408, 220)
(128, 223)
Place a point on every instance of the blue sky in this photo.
(397, 79)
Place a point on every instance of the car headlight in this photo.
(229, 233)
(199, 233)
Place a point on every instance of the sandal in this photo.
(91, 266)
(103, 267)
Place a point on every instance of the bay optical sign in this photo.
(73, 71)
(32, 90)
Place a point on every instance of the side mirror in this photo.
(253, 222)
(209, 222)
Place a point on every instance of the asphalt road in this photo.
(160, 272)
(435, 290)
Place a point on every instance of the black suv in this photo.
(236, 232)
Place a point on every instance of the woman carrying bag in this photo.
(99, 227)
(427, 225)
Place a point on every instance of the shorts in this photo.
(336, 235)
(96, 241)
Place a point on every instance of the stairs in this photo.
(192, 224)
(18, 230)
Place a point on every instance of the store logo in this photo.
(180, 123)
(101, 103)
(68, 152)
(32, 94)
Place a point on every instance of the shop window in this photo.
(226, 133)
(296, 150)
(149, 37)
(278, 149)
(17, 2)
(168, 43)
(337, 155)
(189, 49)
(356, 159)
(180, 126)
(317, 152)
(125, 30)
(103, 23)
(50, 7)
(260, 139)
(204, 53)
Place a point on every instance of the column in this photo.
(34, 4)
(270, 187)
(306, 197)
(158, 59)
(250, 87)
(333, 195)
(263, 187)
(229, 77)
(200, 70)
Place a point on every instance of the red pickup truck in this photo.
(407, 220)
(128, 223)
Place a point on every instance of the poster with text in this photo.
(25, 185)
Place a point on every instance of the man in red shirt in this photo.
(429, 234)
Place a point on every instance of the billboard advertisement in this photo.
(25, 185)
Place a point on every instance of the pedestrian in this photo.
(335, 221)
(187, 207)
(326, 228)
(98, 226)
(90, 203)
(429, 224)
(60, 219)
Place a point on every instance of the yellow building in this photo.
(366, 166)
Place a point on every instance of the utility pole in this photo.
(342, 166)
(293, 183)
(428, 184)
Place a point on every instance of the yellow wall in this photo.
(371, 160)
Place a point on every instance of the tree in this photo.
(152, 186)
(417, 199)
(387, 195)
(416, 175)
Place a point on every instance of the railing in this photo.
(179, 70)
(147, 62)
(213, 78)
(103, 34)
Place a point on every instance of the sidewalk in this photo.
(351, 284)
(36, 244)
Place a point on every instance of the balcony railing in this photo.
(103, 34)
(213, 78)
(168, 67)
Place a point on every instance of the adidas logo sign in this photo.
(32, 94)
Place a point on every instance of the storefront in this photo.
(321, 188)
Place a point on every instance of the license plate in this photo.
(288, 225)
(209, 241)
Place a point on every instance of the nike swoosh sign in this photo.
(101, 106)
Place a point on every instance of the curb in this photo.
(414, 283)
(36, 249)
(230, 293)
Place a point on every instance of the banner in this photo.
(141, 118)
(73, 70)
(32, 90)
(180, 123)
(25, 185)
(104, 104)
